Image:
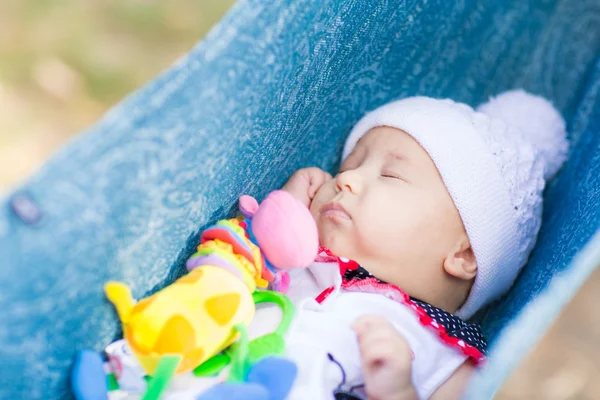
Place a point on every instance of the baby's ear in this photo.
(460, 262)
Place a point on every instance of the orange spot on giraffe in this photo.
(192, 277)
(191, 360)
(176, 336)
(223, 307)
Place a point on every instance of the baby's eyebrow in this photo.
(396, 156)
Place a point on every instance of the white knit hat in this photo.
(494, 162)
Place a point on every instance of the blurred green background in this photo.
(63, 63)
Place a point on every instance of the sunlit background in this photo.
(63, 63)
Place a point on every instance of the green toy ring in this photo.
(286, 305)
(242, 354)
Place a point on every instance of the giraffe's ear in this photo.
(120, 295)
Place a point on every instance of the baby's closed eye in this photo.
(392, 175)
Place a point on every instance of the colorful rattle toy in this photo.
(275, 237)
(202, 313)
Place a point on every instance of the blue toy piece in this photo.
(276, 374)
(269, 379)
(88, 380)
(236, 391)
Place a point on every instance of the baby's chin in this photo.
(334, 239)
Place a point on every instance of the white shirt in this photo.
(320, 330)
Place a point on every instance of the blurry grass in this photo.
(64, 62)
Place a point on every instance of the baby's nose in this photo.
(349, 180)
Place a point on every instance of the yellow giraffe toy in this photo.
(194, 318)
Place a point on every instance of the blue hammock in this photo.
(277, 86)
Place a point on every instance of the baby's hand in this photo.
(305, 183)
(386, 360)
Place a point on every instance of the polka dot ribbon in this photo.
(451, 329)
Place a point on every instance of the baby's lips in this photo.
(335, 207)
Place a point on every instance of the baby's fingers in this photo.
(390, 342)
(317, 178)
(370, 323)
(374, 355)
(375, 333)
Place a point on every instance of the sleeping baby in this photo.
(434, 211)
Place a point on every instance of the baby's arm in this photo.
(305, 183)
(386, 360)
(454, 387)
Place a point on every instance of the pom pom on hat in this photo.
(494, 162)
(538, 121)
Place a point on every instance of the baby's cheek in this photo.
(370, 237)
(388, 236)
(315, 206)
(323, 196)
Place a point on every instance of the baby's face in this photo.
(388, 209)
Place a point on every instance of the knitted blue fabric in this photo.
(274, 87)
